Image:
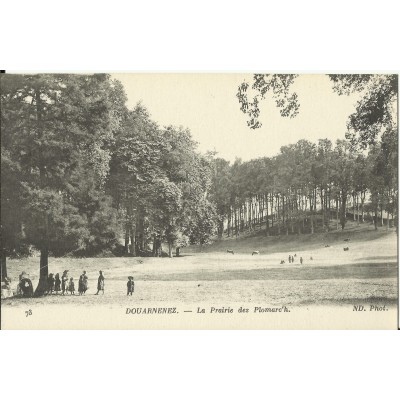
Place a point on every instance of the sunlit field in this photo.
(328, 275)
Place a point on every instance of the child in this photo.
(57, 283)
(71, 286)
(130, 285)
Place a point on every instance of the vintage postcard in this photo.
(199, 201)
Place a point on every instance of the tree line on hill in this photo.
(304, 172)
(303, 188)
(80, 171)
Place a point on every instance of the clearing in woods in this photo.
(328, 275)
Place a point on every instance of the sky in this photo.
(207, 105)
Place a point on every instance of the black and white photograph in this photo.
(199, 200)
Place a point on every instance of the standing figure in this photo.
(301, 260)
(57, 283)
(80, 285)
(50, 284)
(130, 285)
(290, 259)
(64, 282)
(71, 286)
(100, 282)
(83, 286)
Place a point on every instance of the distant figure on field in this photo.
(57, 283)
(50, 284)
(130, 286)
(71, 286)
(230, 251)
(64, 282)
(290, 259)
(301, 260)
(282, 261)
(311, 258)
(345, 248)
(100, 282)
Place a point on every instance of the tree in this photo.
(203, 223)
(136, 162)
(57, 130)
(279, 87)
(12, 237)
(220, 191)
(167, 202)
(343, 175)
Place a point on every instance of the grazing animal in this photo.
(255, 252)
(230, 251)
(346, 240)
(282, 261)
(345, 248)
(327, 245)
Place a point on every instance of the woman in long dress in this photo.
(57, 283)
(82, 285)
(100, 282)
(64, 282)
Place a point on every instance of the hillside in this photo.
(258, 241)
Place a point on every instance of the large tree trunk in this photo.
(44, 262)
(44, 272)
(3, 265)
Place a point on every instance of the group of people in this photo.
(291, 259)
(66, 284)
